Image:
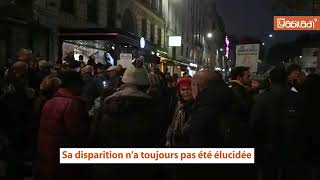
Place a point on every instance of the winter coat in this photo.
(16, 115)
(39, 102)
(244, 98)
(175, 132)
(214, 117)
(160, 99)
(90, 91)
(126, 120)
(39, 76)
(274, 119)
(64, 123)
(173, 102)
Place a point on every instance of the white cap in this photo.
(136, 76)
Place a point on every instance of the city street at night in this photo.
(159, 89)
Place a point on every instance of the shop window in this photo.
(152, 33)
(92, 10)
(67, 6)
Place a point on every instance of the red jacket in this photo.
(64, 123)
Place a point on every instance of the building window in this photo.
(152, 33)
(128, 22)
(112, 10)
(182, 48)
(174, 53)
(159, 37)
(144, 28)
(187, 53)
(92, 10)
(160, 6)
(67, 6)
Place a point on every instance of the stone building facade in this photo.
(155, 20)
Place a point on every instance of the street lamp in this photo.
(270, 35)
(221, 49)
(263, 44)
(209, 35)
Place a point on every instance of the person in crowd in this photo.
(71, 62)
(42, 72)
(293, 73)
(172, 93)
(275, 118)
(175, 77)
(24, 55)
(301, 79)
(101, 77)
(90, 90)
(15, 109)
(114, 78)
(56, 70)
(214, 117)
(82, 65)
(240, 83)
(80, 59)
(64, 123)
(121, 70)
(2, 79)
(185, 74)
(48, 88)
(43, 69)
(309, 122)
(174, 137)
(160, 100)
(91, 61)
(255, 87)
(212, 123)
(127, 121)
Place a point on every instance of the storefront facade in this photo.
(100, 43)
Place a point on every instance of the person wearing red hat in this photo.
(174, 137)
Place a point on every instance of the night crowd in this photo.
(75, 104)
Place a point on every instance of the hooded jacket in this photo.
(126, 120)
(64, 123)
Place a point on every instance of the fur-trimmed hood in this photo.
(127, 100)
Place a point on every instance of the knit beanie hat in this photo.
(136, 75)
(184, 82)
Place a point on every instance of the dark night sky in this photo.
(253, 18)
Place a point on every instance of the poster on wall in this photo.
(247, 55)
(309, 62)
(125, 60)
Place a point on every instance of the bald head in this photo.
(24, 55)
(43, 64)
(19, 69)
(201, 80)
